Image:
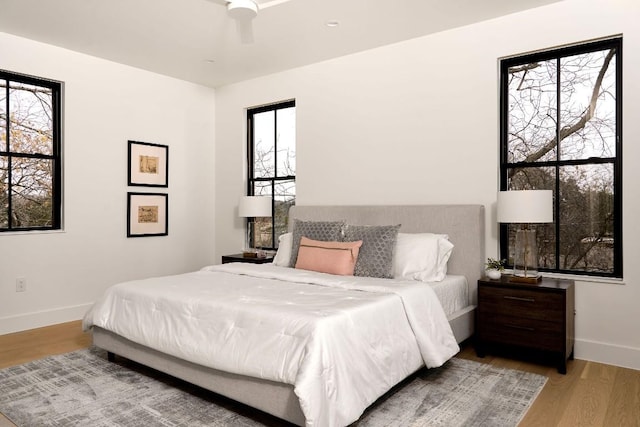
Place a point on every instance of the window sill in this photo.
(30, 233)
(592, 279)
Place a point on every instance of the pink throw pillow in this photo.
(328, 257)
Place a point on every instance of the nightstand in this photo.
(536, 317)
(239, 258)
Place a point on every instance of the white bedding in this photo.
(340, 347)
(452, 292)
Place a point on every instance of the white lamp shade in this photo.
(525, 206)
(254, 206)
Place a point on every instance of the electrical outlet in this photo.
(21, 284)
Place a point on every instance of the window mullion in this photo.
(617, 168)
(8, 114)
(9, 159)
(275, 174)
(250, 155)
(273, 214)
(56, 184)
(9, 191)
(275, 143)
(556, 210)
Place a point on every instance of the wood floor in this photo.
(591, 394)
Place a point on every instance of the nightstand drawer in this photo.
(521, 303)
(523, 332)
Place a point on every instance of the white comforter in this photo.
(340, 347)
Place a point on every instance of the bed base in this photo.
(463, 223)
(277, 399)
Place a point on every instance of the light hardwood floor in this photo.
(591, 394)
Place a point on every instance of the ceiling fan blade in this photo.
(220, 2)
(245, 31)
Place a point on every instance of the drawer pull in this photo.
(524, 328)
(520, 299)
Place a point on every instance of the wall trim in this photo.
(611, 354)
(38, 319)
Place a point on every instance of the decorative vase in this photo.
(493, 274)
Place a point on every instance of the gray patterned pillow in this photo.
(376, 254)
(326, 231)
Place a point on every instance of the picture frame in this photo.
(147, 214)
(148, 164)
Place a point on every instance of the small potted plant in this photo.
(495, 267)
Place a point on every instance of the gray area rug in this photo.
(84, 389)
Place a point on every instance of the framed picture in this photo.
(148, 164)
(147, 214)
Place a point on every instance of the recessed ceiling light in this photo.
(333, 23)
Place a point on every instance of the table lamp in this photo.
(525, 207)
(252, 207)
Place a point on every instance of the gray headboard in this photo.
(463, 223)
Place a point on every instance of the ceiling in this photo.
(195, 40)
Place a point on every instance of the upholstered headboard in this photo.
(463, 223)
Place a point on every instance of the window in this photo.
(561, 121)
(30, 170)
(272, 167)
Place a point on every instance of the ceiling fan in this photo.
(243, 12)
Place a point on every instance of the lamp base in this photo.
(525, 279)
(525, 265)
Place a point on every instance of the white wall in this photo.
(417, 122)
(106, 104)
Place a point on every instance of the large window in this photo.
(272, 166)
(561, 121)
(30, 170)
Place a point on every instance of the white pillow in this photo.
(421, 256)
(283, 255)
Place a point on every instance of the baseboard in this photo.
(23, 322)
(611, 354)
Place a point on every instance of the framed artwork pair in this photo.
(148, 166)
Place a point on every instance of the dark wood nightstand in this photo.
(239, 258)
(536, 317)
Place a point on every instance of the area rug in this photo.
(84, 389)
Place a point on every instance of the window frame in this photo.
(557, 163)
(251, 178)
(55, 156)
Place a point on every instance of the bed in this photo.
(275, 392)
